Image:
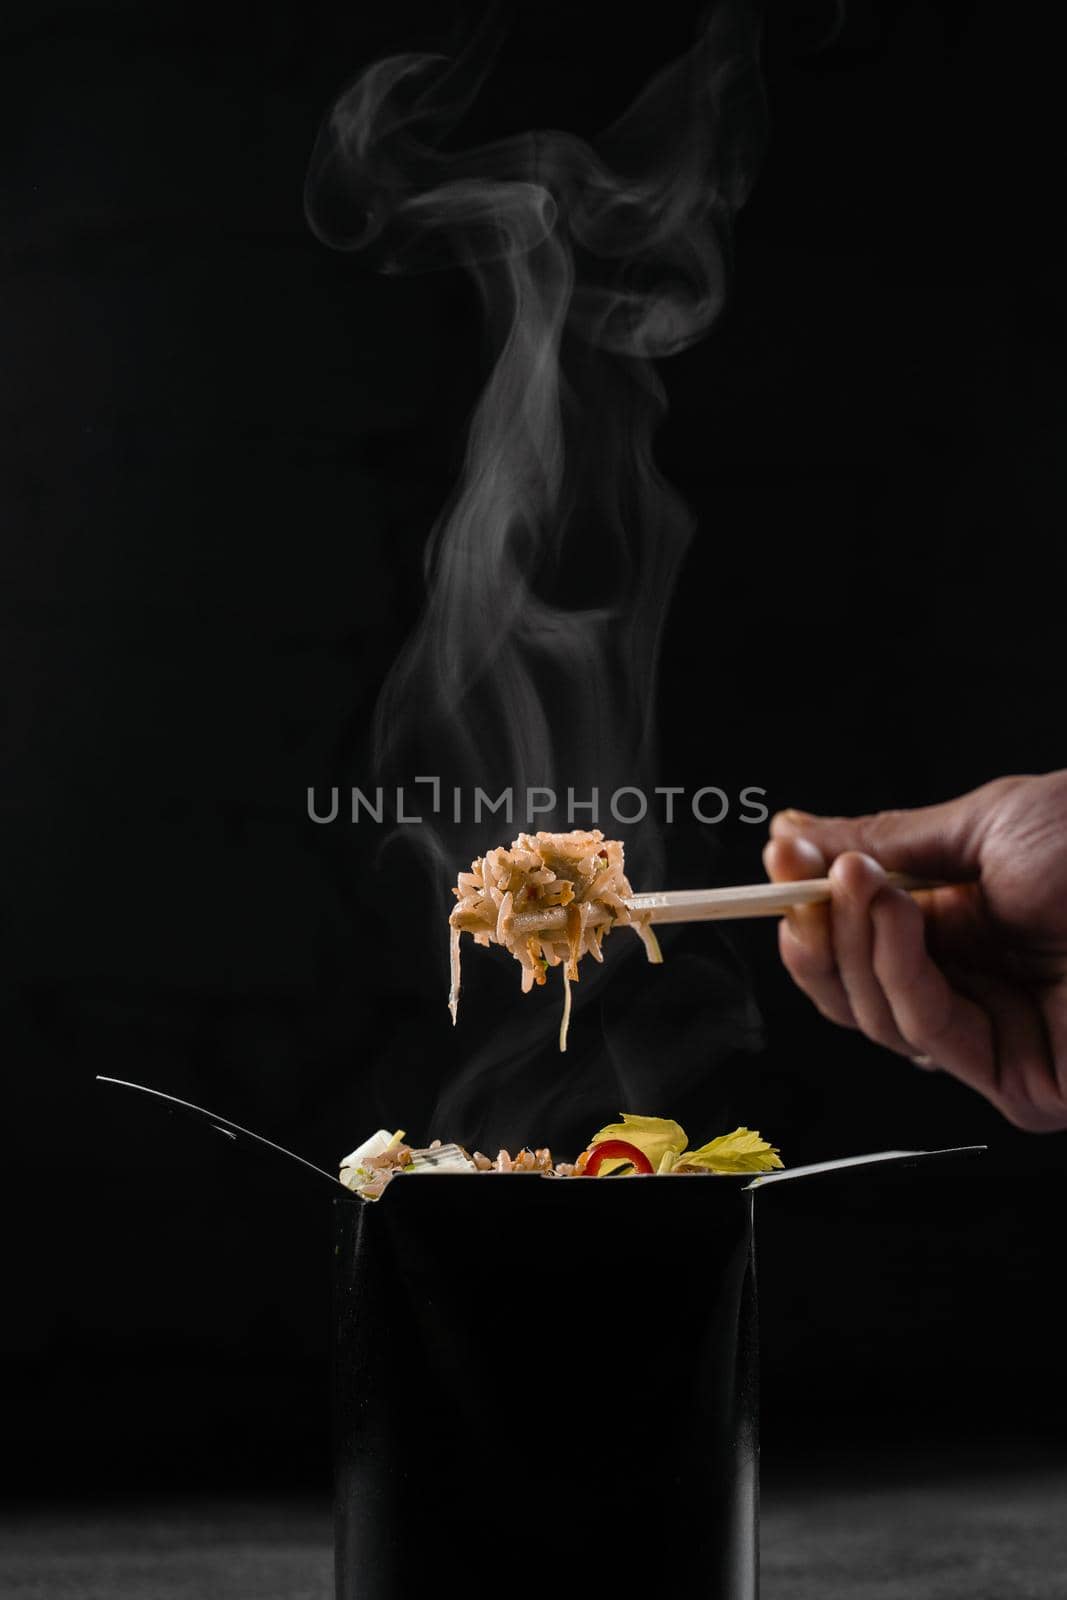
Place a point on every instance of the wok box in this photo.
(543, 1380)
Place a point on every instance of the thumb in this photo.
(942, 841)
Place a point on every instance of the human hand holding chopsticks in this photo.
(971, 977)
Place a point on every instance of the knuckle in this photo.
(878, 1023)
(897, 965)
(1030, 1092)
(805, 964)
(873, 829)
(839, 1013)
(798, 970)
(815, 990)
(930, 1031)
(997, 788)
(1021, 1113)
(887, 1037)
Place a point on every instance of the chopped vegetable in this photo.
(654, 1136)
(665, 1144)
(618, 1151)
(740, 1151)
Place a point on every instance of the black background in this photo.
(223, 446)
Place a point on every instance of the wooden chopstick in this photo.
(711, 905)
(748, 900)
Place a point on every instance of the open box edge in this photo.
(879, 1158)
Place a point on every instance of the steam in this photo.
(549, 574)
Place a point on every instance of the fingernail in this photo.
(805, 848)
(791, 818)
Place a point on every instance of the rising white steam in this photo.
(549, 574)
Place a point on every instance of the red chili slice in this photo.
(616, 1150)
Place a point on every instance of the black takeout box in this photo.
(551, 1381)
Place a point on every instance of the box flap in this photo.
(880, 1158)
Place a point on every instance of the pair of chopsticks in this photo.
(712, 905)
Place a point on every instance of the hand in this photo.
(969, 979)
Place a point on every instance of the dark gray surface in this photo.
(947, 1540)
